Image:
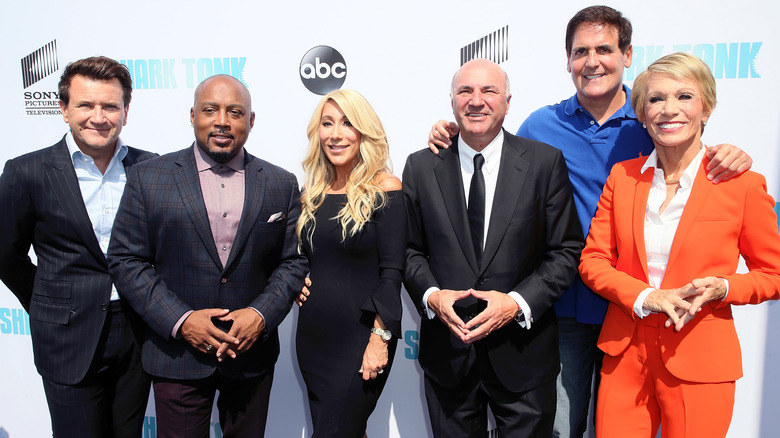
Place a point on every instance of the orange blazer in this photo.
(719, 223)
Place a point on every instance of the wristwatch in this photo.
(384, 334)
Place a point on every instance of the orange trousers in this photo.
(637, 394)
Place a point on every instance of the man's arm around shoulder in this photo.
(287, 279)
(418, 277)
(131, 260)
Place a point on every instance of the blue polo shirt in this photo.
(590, 151)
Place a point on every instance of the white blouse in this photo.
(660, 228)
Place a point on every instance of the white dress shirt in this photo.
(660, 228)
(492, 155)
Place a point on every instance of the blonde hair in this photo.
(364, 195)
(680, 66)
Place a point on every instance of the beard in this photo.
(220, 156)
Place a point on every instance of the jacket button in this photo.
(223, 280)
(480, 281)
(103, 306)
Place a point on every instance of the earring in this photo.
(644, 126)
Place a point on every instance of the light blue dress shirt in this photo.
(101, 192)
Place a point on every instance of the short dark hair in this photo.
(98, 68)
(604, 16)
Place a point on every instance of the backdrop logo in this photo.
(171, 73)
(726, 60)
(494, 47)
(35, 67)
(323, 69)
(14, 321)
(412, 341)
(39, 64)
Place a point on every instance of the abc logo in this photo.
(323, 69)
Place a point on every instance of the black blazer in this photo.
(532, 247)
(67, 291)
(164, 260)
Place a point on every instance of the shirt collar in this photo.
(204, 162)
(688, 176)
(491, 153)
(626, 111)
(75, 152)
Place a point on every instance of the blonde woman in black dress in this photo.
(353, 229)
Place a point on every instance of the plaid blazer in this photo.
(164, 261)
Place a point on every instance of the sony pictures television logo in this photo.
(36, 67)
(323, 69)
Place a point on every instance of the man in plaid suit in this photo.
(204, 249)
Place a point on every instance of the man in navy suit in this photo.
(494, 240)
(62, 200)
(205, 250)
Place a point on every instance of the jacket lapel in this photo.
(66, 188)
(641, 192)
(255, 189)
(450, 182)
(699, 193)
(188, 183)
(511, 179)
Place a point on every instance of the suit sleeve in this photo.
(600, 256)
(286, 280)
(417, 273)
(759, 245)
(17, 222)
(131, 263)
(385, 299)
(563, 243)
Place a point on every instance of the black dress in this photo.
(352, 281)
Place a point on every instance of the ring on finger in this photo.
(209, 347)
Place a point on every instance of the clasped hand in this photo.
(682, 304)
(199, 330)
(501, 309)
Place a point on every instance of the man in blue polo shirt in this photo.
(595, 129)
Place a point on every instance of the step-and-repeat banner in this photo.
(401, 55)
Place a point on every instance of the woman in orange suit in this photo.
(664, 248)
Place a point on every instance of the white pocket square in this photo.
(276, 217)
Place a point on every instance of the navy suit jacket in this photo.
(67, 291)
(164, 261)
(532, 247)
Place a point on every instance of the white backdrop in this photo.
(401, 56)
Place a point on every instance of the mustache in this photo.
(220, 132)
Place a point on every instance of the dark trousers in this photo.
(111, 400)
(184, 406)
(580, 368)
(462, 411)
